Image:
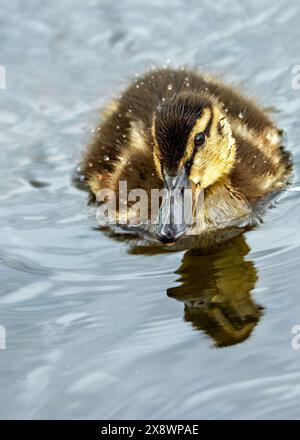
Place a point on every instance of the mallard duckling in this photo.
(179, 129)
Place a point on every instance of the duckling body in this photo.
(171, 125)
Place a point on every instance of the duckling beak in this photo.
(171, 223)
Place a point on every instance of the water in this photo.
(94, 331)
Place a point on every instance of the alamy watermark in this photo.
(138, 207)
(296, 77)
(296, 339)
(2, 337)
(2, 78)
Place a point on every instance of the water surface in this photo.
(95, 331)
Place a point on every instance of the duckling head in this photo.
(193, 149)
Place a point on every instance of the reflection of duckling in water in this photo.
(179, 130)
(216, 290)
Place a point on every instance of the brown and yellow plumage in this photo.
(173, 121)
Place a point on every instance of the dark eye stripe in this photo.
(219, 128)
(190, 162)
(209, 124)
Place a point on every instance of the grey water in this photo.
(94, 330)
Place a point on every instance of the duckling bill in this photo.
(180, 130)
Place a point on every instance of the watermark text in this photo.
(2, 78)
(2, 337)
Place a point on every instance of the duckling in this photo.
(180, 130)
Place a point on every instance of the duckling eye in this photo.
(199, 139)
